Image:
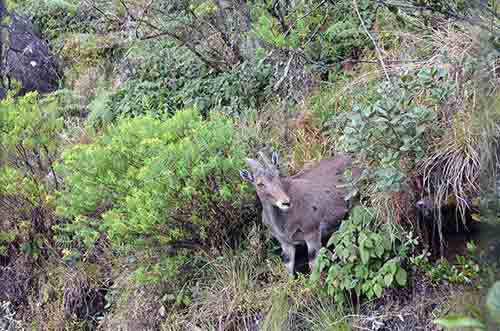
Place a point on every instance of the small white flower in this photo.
(33, 63)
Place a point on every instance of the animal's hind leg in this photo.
(289, 256)
(313, 241)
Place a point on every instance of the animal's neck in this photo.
(273, 216)
(285, 182)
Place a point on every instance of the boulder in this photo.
(26, 57)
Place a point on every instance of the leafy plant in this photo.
(171, 79)
(388, 130)
(56, 17)
(328, 32)
(150, 183)
(234, 92)
(6, 238)
(29, 145)
(464, 271)
(364, 259)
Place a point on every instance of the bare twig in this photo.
(479, 20)
(377, 49)
(304, 16)
(285, 74)
(141, 19)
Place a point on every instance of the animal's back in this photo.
(319, 197)
(326, 169)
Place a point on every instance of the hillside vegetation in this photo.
(121, 202)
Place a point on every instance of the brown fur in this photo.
(304, 207)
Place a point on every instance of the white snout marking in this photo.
(283, 206)
(420, 204)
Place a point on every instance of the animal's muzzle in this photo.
(283, 204)
(420, 204)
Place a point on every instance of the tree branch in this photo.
(377, 49)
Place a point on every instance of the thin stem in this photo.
(377, 49)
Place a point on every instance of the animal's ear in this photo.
(275, 159)
(253, 165)
(245, 175)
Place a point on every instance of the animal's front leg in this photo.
(289, 256)
(313, 241)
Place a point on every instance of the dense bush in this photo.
(173, 78)
(392, 128)
(328, 32)
(148, 183)
(29, 144)
(56, 17)
(367, 258)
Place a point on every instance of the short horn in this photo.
(266, 160)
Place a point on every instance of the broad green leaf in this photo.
(379, 250)
(393, 268)
(401, 276)
(362, 238)
(368, 243)
(365, 255)
(388, 279)
(378, 290)
(454, 322)
(331, 241)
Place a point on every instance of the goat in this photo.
(302, 208)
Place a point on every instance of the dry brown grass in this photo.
(414, 308)
(244, 291)
(134, 307)
(264, 128)
(60, 298)
(293, 133)
(395, 207)
(231, 292)
(454, 167)
(309, 143)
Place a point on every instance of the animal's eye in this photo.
(260, 184)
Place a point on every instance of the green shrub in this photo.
(29, 144)
(328, 33)
(137, 97)
(367, 258)
(465, 270)
(6, 239)
(243, 88)
(172, 78)
(390, 130)
(55, 17)
(150, 183)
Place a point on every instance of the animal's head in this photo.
(266, 179)
(426, 206)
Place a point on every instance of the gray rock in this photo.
(26, 57)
